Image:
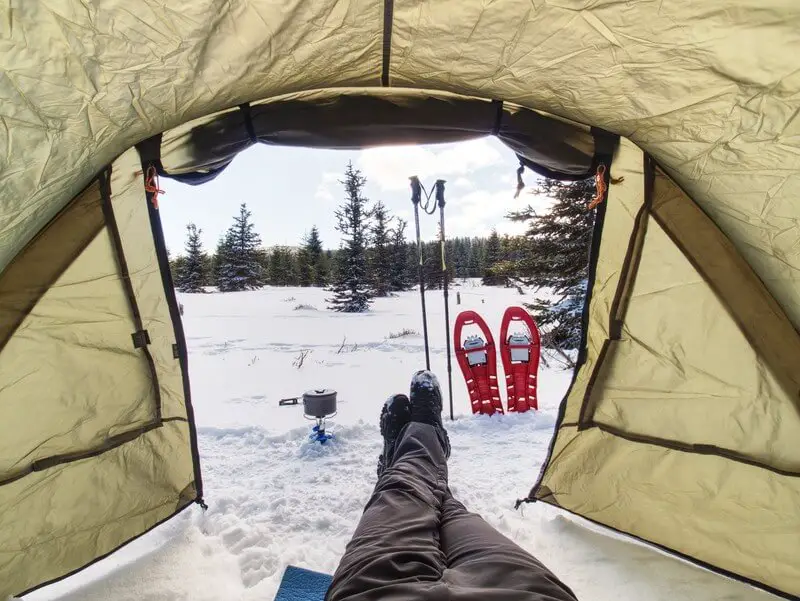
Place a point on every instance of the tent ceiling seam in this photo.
(388, 18)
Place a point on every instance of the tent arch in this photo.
(710, 95)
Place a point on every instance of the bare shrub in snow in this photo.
(301, 358)
(305, 307)
(343, 348)
(404, 333)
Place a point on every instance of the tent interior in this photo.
(681, 425)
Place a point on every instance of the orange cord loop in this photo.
(151, 185)
(600, 186)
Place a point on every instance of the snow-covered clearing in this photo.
(275, 498)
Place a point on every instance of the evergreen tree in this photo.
(311, 264)
(325, 268)
(555, 256)
(289, 267)
(191, 277)
(399, 279)
(476, 265)
(380, 263)
(460, 257)
(263, 256)
(275, 275)
(239, 267)
(432, 266)
(176, 266)
(218, 260)
(305, 274)
(413, 263)
(494, 256)
(283, 267)
(350, 288)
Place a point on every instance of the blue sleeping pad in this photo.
(299, 584)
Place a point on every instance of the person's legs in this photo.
(395, 551)
(484, 564)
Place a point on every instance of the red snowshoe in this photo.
(477, 358)
(520, 354)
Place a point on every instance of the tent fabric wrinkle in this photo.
(686, 400)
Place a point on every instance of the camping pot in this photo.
(319, 403)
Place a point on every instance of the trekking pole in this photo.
(416, 197)
(440, 202)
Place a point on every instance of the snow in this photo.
(275, 498)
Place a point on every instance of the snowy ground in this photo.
(275, 499)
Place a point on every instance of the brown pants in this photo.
(416, 542)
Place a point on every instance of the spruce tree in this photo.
(311, 264)
(325, 266)
(218, 260)
(380, 263)
(239, 268)
(475, 264)
(263, 257)
(289, 267)
(351, 293)
(399, 279)
(494, 256)
(555, 256)
(191, 277)
(283, 269)
(432, 266)
(412, 264)
(305, 274)
(275, 275)
(176, 267)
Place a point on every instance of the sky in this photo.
(288, 190)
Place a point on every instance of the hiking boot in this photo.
(396, 413)
(426, 405)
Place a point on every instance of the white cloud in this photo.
(478, 212)
(509, 177)
(326, 186)
(463, 182)
(390, 166)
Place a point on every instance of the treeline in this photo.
(241, 263)
(309, 264)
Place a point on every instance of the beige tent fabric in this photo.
(96, 445)
(624, 202)
(137, 239)
(701, 506)
(683, 371)
(72, 330)
(711, 92)
(677, 430)
(80, 511)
